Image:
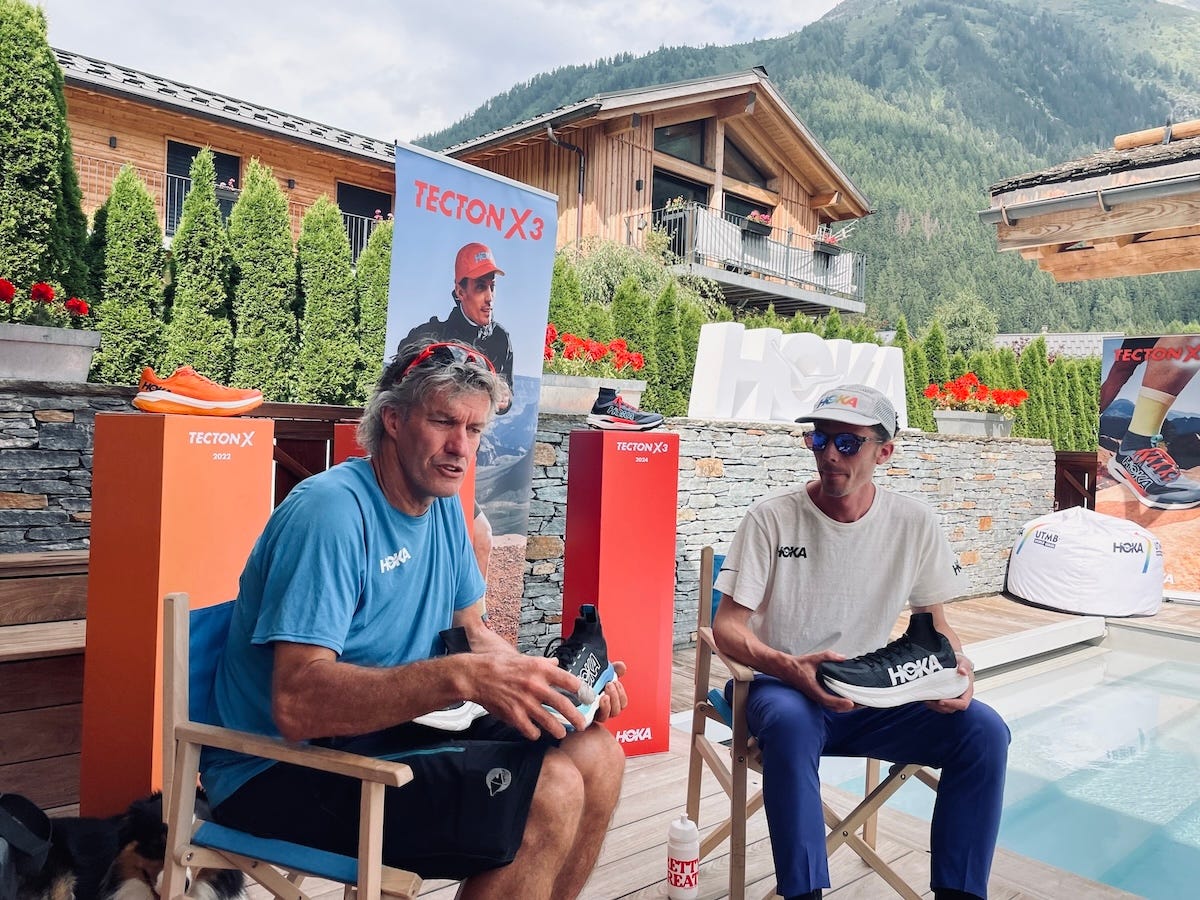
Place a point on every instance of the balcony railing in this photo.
(732, 243)
(96, 177)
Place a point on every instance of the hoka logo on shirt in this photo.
(914, 669)
(400, 557)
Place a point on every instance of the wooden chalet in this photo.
(1131, 210)
(702, 159)
(120, 116)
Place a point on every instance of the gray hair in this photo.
(405, 390)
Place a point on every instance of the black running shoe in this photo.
(918, 665)
(617, 415)
(585, 655)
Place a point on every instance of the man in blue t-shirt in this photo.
(336, 640)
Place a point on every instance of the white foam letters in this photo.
(766, 375)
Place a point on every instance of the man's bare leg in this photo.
(601, 762)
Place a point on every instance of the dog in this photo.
(119, 858)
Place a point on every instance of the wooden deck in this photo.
(633, 858)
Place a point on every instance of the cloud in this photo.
(388, 69)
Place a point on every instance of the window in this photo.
(179, 179)
(740, 206)
(359, 206)
(683, 141)
(737, 165)
(667, 187)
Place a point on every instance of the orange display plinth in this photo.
(177, 503)
(622, 489)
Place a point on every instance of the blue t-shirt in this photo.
(339, 567)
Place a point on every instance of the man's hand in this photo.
(513, 687)
(961, 702)
(613, 698)
(801, 673)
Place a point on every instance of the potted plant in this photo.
(757, 223)
(965, 405)
(43, 338)
(826, 240)
(575, 368)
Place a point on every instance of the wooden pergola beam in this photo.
(622, 125)
(1098, 224)
(1138, 258)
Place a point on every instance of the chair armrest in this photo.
(739, 671)
(364, 768)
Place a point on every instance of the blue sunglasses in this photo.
(846, 444)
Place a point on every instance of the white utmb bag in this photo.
(1081, 561)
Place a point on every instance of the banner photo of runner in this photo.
(1150, 447)
(472, 257)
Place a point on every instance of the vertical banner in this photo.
(1150, 447)
(472, 256)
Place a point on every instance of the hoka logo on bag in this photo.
(633, 735)
(400, 557)
(917, 668)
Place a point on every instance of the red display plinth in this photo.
(622, 490)
(177, 503)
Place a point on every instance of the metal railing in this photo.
(96, 177)
(733, 243)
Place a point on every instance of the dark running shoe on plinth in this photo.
(918, 665)
(1153, 477)
(585, 655)
(614, 414)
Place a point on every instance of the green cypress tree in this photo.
(598, 322)
(68, 258)
(1058, 413)
(691, 320)
(670, 396)
(372, 274)
(129, 316)
(260, 239)
(30, 155)
(326, 365)
(831, 325)
(958, 365)
(200, 333)
(566, 298)
(916, 371)
(97, 240)
(1034, 368)
(801, 324)
(632, 320)
(936, 355)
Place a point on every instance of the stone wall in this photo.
(46, 462)
(985, 490)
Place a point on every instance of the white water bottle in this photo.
(683, 859)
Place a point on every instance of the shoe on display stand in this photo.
(585, 655)
(1153, 477)
(612, 413)
(918, 665)
(187, 392)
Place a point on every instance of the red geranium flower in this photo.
(7, 291)
(41, 292)
(76, 307)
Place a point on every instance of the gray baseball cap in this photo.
(855, 404)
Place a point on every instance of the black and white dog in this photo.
(120, 858)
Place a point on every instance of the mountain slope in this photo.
(918, 93)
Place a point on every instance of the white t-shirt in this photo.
(817, 584)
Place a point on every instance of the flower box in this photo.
(826, 247)
(976, 424)
(44, 353)
(749, 226)
(576, 394)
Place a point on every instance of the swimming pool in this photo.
(1104, 768)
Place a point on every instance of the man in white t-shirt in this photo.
(821, 572)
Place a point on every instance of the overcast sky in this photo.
(394, 68)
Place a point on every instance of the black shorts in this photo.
(463, 812)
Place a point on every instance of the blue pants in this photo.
(970, 747)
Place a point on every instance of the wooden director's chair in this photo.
(730, 765)
(193, 640)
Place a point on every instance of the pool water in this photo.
(1104, 770)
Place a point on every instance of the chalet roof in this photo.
(120, 81)
(614, 103)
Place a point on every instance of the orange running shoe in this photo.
(188, 392)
